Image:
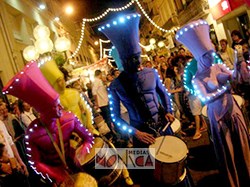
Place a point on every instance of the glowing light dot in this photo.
(122, 19)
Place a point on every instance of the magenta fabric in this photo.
(42, 152)
(31, 86)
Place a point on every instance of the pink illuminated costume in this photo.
(30, 86)
(228, 128)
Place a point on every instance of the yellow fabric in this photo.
(51, 72)
(71, 101)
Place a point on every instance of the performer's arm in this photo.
(88, 114)
(115, 110)
(114, 102)
(202, 93)
(163, 93)
(83, 133)
(52, 173)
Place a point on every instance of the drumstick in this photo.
(165, 128)
(160, 145)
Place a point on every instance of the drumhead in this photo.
(176, 125)
(237, 98)
(204, 111)
(98, 143)
(169, 149)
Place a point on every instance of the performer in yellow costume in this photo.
(70, 98)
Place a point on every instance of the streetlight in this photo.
(44, 45)
(96, 43)
(69, 10)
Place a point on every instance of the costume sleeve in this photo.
(115, 110)
(87, 116)
(52, 173)
(163, 94)
(82, 132)
(202, 93)
(224, 69)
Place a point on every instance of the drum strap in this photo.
(60, 152)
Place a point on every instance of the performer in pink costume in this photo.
(30, 86)
(228, 128)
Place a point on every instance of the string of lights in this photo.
(84, 20)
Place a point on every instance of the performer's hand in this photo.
(169, 117)
(6, 168)
(144, 137)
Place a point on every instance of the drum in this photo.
(240, 101)
(80, 177)
(170, 159)
(105, 177)
(176, 126)
(101, 125)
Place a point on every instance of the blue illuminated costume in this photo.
(151, 86)
(136, 87)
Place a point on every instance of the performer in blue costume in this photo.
(136, 87)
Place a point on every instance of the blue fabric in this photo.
(151, 87)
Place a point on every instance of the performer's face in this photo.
(61, 83)
(131, 65)
(56, 110)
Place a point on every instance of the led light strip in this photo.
(151, 21)
(84, 20)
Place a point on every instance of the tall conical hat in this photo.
(123, 32)
(31, 86)
(195, 36)
(51, 72)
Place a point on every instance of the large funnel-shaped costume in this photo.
(124, 35)
(228, 128)
(70, 98)
(116, 57)
(52, 73)
(30, 86)
(136, 88)
(20, 86)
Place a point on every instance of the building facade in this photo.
(18, 18)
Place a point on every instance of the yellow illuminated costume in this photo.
(70, 98)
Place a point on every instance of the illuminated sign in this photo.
(220, 9)
(236, 3)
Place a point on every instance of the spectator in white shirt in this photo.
(27, 113)
(100, 94)
(11, 149)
